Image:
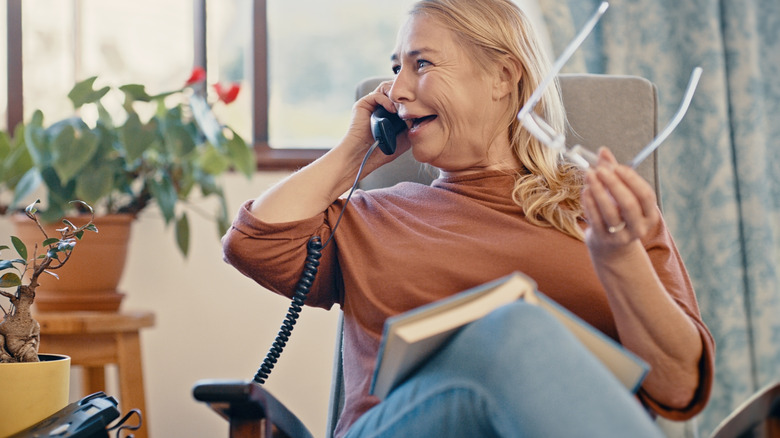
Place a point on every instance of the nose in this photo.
(403, 88)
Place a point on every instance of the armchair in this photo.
(619, 112)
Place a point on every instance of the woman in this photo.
(593, 241)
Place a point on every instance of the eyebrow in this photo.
(414, 53)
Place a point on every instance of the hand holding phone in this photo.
(385, 127)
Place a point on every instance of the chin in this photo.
(425, 155)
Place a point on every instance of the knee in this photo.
(501, 337)
(515, 322)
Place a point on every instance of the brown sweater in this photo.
(408, 245)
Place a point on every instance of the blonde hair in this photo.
(548, 188)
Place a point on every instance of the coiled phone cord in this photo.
(314, 251)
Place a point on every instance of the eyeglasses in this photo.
(583, 157)
(578, 154)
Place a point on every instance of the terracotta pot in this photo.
(90, 278)
(33, 391)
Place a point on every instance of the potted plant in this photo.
(165, 149)
(34, 386)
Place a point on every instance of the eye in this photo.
(421, 64)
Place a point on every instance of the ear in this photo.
(508, 75)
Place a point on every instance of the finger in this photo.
(606, 157)
(603, 199)
(644, 193)
(596, 223)
(592, 214)
(384, 87)
(377, 97)
(380, 94)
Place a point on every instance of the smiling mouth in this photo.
(415, 123)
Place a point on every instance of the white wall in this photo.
(214, 323)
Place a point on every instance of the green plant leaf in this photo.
(208, 184)
(178, 139)
(165, 194)
(83, 92)
(183, 234)
(223, 220)
(20, 247)
(16, 164)
(7, 264)
(241, 155)
(50, 241)
(36, 139)
(10, 279)
(66, 245)
(96, 184)
(135, 92)
(31, 209)
(74, 149)
(211, 161)
(136, 136)
(29, 182)
(59, 196)
(5, 146)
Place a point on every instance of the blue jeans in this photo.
(515, 373)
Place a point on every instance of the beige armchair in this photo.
(614, 111)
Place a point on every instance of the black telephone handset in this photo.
(385, 127)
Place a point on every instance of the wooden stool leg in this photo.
(94, 379)
(131, 380)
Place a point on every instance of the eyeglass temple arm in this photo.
(559, 63)
(653, 145)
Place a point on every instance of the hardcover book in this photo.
(410, 338)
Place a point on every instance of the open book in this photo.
(411, 337)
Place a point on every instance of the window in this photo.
(298, 61)
(119, 42)
(309, 57)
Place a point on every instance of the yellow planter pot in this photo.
(30, 392)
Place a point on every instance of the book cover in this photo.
(410, 338)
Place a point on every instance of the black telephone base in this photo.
(86, 418)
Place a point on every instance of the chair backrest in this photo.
(619, 112)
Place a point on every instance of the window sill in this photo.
(269, 158)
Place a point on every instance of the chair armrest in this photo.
(758, 416)
(250, 409)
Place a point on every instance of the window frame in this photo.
(268, 158)
(14, 108)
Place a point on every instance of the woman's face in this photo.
(454, 108)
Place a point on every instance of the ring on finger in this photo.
(612, 229)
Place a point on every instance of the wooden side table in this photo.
(96, 339)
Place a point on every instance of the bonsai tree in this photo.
(164, 149)
(19, 331)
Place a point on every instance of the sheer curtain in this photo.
(720, 171)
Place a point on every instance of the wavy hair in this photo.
(548, 187)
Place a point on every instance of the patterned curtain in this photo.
(720, 170)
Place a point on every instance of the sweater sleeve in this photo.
(672, 272)
(273, 255)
